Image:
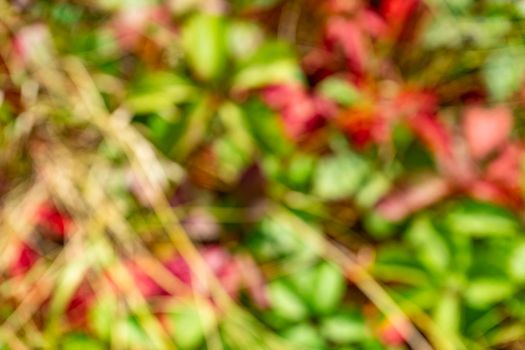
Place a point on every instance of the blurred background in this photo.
(262, 174)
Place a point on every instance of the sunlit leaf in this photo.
(485, 292)
(79, 341)
(286, 302)
(478, 219)
(429, 244)
(516, 266)
(306, 336)
(503, 72)
(345, 327)
(339, 176)
(447, 313)
(190, 323)
(204, 42)
(325, 300)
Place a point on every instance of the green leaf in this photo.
(343, 328)
(478, 219)
(189, 323)
(443, 31)
(275, 237)
(70, 279)
(102, 315)
(80, 341)
(483, 321)
(254, 4)
(231, 159)
(266, 128)
(371, 344)
(516, 266)
(504, 71)
(158, 92)
(300, 170)
(285, 302)
(339, 176)
(195, 129)
(304, 335)
(339, 90)
(378, 227)
(128, 333)
(429, 245)
(484, 292)
(278, 72)
(458, 4)
(373, 189)
(330, 287)
(461, 253)
(304, 282)
(447, 313)
(234, 121)
(272, 63)
(204, 42)
(397, 263)
(487, 31)
(244, 38)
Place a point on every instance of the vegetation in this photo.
(263, 174)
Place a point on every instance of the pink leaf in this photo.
(32, 44)
(301, 112)
(254, 281)
(506, 168)
(129, 24)
(404, 201)
(373, 24)
(486, 129)
(348, 36)
(342, 6)
(201, 225)
(219, 261)
(146, 285)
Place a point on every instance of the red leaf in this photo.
(25, 258)
(77, 309)
(488, 191)
(413, 102)
(434, 134)
(486, 129)
(364, 127)
(397, 12)
(53, 220)
(146, 285)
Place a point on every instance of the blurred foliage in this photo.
(265, 174)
